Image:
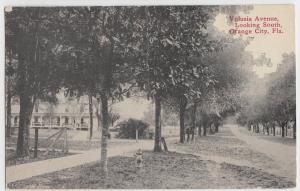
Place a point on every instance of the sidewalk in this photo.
(23, 171)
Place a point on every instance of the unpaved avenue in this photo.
(283, 155)
(236, 146)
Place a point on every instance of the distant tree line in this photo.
(276, 105)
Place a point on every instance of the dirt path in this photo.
(23, 171)
(283, 155)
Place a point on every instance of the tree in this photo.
(274, 100)
(91, 115)
(103, 52)
(10, 82)
(220, 95)
(30, 35)
(189, 38)
(283, 92)
(172, 36)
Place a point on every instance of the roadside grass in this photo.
(11, 159)
(160, 170)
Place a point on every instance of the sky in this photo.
(132, 108)
(273, 45)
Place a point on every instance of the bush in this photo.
(127, 129)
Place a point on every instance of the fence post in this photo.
(164, 143)
(36, 137)
(66, 148)
(136, 134)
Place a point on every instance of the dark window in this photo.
(16, 120)
(36, 119)
(82, 121)
(36, 109)
(66, 120)
(66, 110)
(58, 120)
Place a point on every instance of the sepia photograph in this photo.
(150, 97)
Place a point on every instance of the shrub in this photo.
(127, 129)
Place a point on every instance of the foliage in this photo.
(169, 52)
(30, 34)
(275, 99)
(31, 38)
(128, 129)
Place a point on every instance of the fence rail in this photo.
(41, 125)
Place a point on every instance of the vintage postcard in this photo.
(150, 97)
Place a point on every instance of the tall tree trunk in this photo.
(193, 134)
(8, 108)
(210, 128)
(249, 126)
(282, 130)
(194, 119)
(182, 107)
(98, 114)
(91, 114)
(199, 130)
(204, 128)
(26, 107)
(294, 130)
(104, 136)
(157, 140)
(217, 127)
(107, 73)
(274, 130)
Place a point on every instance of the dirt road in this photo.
(283, 155)
(236, 146)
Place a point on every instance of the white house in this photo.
(71, 113)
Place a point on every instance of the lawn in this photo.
(73, 142)
(160, 170)
(10, 156)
